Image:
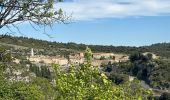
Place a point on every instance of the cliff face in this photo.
(18, 72)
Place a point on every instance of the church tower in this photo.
(32, 52)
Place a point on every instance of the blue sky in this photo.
(109, 22)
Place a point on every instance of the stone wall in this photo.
(79, 59)
(48, 60)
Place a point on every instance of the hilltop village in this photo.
(78, 58)
(120, 64)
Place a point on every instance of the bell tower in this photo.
(32, 52)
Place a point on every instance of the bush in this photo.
(165, 96)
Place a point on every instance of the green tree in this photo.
(165, 96)
(102, 58)
(88, 55)
(26, 91)
(150, 56)
(138, 57)
(86, 82)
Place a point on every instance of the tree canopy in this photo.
(39, 12)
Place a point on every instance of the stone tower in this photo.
(32, 52)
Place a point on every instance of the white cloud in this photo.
(94, 9)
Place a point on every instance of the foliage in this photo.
(118, 78)
(160, 75)
(81, 82)
(46, 87)
(42, 71)
(118, 73)
(26, 91)
(119, 68)
(150, 56)
(138, 57)
(165, 96)
(35, 11)
(161, 49)
(141, 66)
(19, 90)
(37, 89)
(155, 72)
(87, 82)
(56, 48)
(102, 58)
(5, 56)
(88, 55)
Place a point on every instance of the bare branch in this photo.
(36, 12)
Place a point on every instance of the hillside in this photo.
(154, 73)
(161, 49)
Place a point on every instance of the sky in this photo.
(108, 22)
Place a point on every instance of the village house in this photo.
(48, 59)
(100, 55)
(78, 58)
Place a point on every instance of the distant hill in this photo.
(161, 49)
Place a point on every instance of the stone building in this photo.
(48, 60)
(105, 55)
(78, 58)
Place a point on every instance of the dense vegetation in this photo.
(161, 49)
(154, 72)
(83, 82)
